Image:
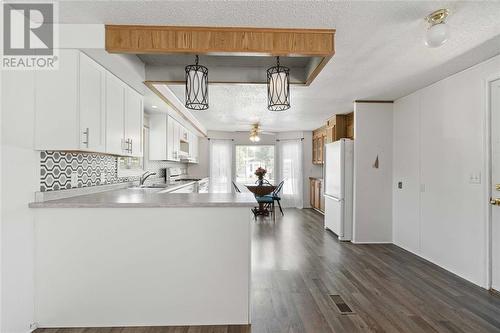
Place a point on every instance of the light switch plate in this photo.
(475, 178)
(74, 179)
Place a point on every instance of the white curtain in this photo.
(221, 161)
(290, 162)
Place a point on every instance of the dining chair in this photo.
(276, 196)
(236, 189)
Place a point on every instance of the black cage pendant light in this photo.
(278, 87)
(196, 86)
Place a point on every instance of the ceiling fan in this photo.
(255, 131)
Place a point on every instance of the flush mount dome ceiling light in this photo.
(438, 32)
(196, 86)
(278, 87)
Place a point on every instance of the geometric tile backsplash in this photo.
(56, 168)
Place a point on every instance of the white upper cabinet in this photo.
(115, 115)
(83, 107)
(165, 136)
(158, 139)
(177, 140)
(193, 147)
(170, 138)
(184, 134)
(57, 125)
(92, 105)
(134, 115)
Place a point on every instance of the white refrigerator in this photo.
(338, 179)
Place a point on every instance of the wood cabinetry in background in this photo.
(337, 127)
(340, 126)
(317, 200)
(319, 140)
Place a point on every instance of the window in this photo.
(221, 156)
(249, 158)
(291, 173)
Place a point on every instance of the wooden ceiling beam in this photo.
(139, 39)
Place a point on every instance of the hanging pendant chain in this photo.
(278, 61)
(196, 60)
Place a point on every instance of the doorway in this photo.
(494, 94)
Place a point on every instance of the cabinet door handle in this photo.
(127, 146)
(131, 146)
(86, 133)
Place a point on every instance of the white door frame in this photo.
(488, 178)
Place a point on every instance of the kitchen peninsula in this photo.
(121, 267)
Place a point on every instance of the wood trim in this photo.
(145, 39)
(142, 39)
(223, 82)
(318, 69)
(371, 101)
(150, 85)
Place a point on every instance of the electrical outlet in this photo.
(103, 177)
(74, 179)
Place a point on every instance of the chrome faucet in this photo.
(145, 176)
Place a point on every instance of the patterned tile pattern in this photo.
(56, 168)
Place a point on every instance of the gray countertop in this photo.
(149, 197)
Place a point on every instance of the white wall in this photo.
(406, 169)
(20, 166)
(310, 170)
(20, 178)
(372, 186)
(450, 142)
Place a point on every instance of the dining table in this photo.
(260, 190)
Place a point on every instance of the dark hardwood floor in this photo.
(297, 266)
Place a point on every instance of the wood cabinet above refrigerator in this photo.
(337, 127)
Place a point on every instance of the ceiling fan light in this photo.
(437, 35)
(196, 87)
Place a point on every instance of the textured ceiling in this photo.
(379, 49)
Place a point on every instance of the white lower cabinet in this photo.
(83, 107)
